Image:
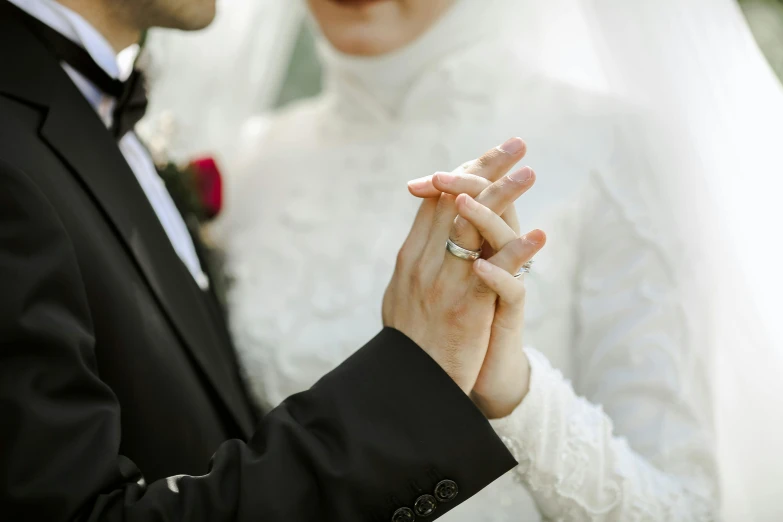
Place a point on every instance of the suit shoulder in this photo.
(19, 124)
(21, 199)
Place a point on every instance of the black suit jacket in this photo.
(117, 373)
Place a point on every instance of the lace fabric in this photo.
(318, 208)
(578, 469)
(638, 447)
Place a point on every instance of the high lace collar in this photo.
(380, 87)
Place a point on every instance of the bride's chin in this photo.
(358, 3)
(375, 27)
(366, 42)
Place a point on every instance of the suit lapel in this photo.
(73, 130)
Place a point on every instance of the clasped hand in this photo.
(468, 316)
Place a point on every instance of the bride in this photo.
(617, 424)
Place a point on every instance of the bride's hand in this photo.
(434, 297)
(504, 379)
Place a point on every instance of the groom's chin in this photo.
(202, 16)
(185, 15)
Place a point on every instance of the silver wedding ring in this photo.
(525, 269)
(462, 253)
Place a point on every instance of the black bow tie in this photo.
(130, 95)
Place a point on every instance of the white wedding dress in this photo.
(618, 422)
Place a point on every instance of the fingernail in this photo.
(469, 201)
(446, 178)
(523, 175)
(536, 237)
(482, 266)
(419, 183)
(512, 146)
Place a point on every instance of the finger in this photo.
(518, 252)
(454, 183)
(497, 197)
(511, 258)
(507, 287)
(420, 231)
(442, 221)
(457, 183)
(423, 187)
(511, 218)
(496, 162)
(491, 166)
(510, 292)
(491, 226)
(500, 195)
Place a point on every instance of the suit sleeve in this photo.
(383, 430)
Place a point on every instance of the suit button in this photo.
(425, 505)
(403, 515)
(446, 490)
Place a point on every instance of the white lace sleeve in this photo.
(640, 446)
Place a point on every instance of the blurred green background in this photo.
(765, 18)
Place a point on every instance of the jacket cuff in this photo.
(446, 450)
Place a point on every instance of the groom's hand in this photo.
(435, 297)
(504, 377)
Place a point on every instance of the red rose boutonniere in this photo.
(196, 187)
(208, 184)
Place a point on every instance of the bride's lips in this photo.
(358, 3)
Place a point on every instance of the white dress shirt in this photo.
(73, 26)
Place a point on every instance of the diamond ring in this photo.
(525, 269)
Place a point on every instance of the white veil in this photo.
(205, 84)
(704, 73)
(719, 110)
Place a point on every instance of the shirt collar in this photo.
(73, 26)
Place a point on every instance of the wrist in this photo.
(499, 407)
(433, 347)
(501, 389)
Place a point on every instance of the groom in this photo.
(120, 396)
